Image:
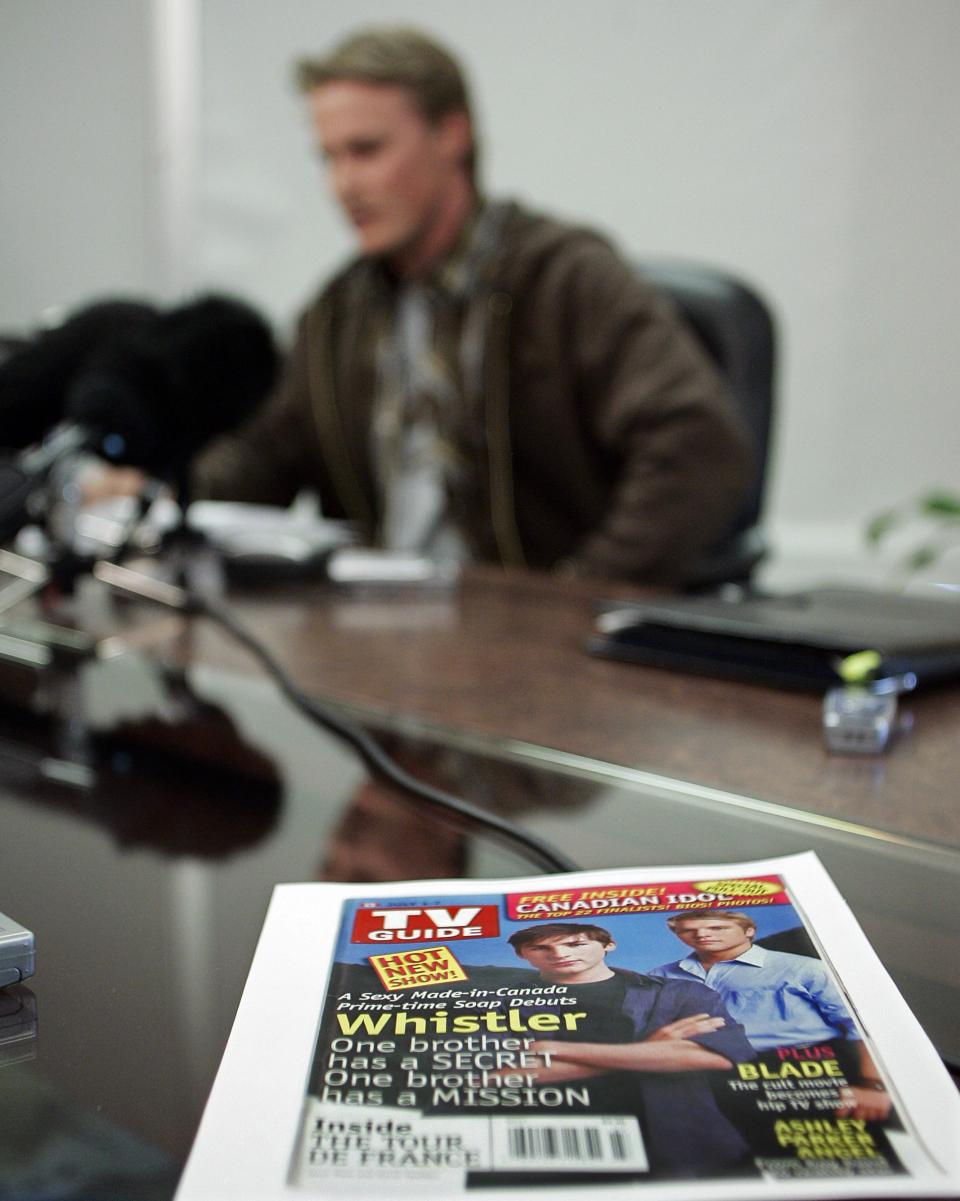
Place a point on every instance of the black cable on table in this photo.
(370, 751)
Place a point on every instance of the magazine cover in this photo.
(679, 1033)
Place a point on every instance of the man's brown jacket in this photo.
(609, 443)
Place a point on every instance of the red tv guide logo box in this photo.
(387, 924)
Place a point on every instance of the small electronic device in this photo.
(17, 952)
(857, 720)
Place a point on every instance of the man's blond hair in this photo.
(400, 57)
(698, 915)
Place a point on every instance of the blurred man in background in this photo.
(481, 381)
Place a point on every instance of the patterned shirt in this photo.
(429, 355)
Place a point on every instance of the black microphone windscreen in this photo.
(226, 361)
(36, 376)
(159, 395)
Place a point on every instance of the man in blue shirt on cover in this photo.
(646, 1046)
(782, 1000)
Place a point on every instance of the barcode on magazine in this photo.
(593, 1144)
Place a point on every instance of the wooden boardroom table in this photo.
(501, 662)
(147, 884)
(702, 769)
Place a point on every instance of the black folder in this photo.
(795, 640)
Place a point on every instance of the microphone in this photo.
(154, 397)
(149, 395)
(35, 377)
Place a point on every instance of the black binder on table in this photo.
(796, 640)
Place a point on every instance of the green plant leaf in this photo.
(881, 525)
(941, 503)
(921, 557)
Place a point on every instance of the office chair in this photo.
(736, 328)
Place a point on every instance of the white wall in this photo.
(811, 146)
(77, 164)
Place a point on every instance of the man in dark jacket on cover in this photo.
(481, 381)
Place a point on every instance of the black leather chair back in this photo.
(736, 328)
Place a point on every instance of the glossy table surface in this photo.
(151, 796)
(502, 659)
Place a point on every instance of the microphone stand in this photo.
(57, 575)
(53, 649)
(192, 563)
